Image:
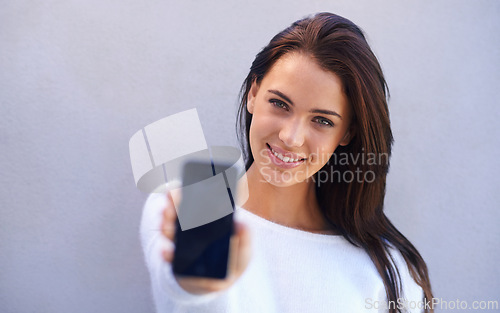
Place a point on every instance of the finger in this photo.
(169, 197)
(168, 255)
(169, 212)
(168, 229)
(175, 196)
(197, 285)
(233, 256)
(244, 250)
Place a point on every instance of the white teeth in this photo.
(282, 158)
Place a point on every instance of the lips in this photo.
(285, 155)
(284, 158)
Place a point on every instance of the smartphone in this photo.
(205, 220)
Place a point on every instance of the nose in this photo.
(293, 133)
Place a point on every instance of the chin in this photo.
(279, 178)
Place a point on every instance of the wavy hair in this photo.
(354, 207)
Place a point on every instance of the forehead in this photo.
(299, 76)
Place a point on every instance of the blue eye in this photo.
(279, 104)
(323, 121)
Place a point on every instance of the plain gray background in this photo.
(79, 78)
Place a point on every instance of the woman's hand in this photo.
(240, 252)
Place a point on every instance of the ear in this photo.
(349, 134)
(252, 94)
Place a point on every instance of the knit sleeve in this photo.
(412, 296)
(169, 296)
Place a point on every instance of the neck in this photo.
(294, 206)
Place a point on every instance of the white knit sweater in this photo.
(290, 271)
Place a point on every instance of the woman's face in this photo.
(300, 115)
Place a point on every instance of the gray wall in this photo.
(78, 78)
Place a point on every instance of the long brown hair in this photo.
(354, 207)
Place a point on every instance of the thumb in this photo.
(243, 249)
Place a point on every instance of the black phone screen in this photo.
(203, 251)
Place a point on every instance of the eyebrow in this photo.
(321, 111)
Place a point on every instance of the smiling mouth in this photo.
(285, 158)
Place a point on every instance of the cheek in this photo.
(322, 149)
(263, 125)
(257, 133)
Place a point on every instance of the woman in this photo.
(312, 235)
